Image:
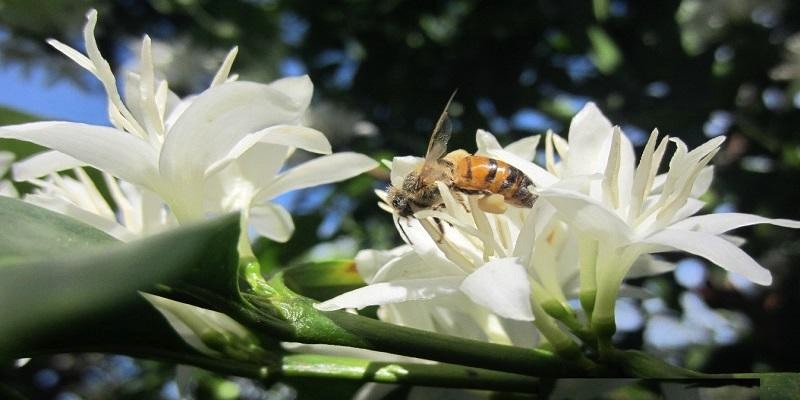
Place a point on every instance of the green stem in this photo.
(441, 375)
(251, 268)
(309, 325)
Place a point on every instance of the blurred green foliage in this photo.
(383, 70)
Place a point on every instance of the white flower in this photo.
(139, 212)
(232, 137)
(481, 267)
(621, 211)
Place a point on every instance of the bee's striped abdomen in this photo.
(487, 175)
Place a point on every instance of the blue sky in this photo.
(32, 92)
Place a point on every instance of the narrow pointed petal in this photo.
(393, 292)
(225, 69)
(64, 207)
(524, 148)
(714, 249)
(43, 163)
(716, 224)
(502, 286)
(107, 149)
(272, 221)
(322, 170)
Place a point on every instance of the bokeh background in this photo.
(382, 72)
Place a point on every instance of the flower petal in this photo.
(6, 158)
(217, 120)
(589, 138)
(327, 169)
(647, 265)
(524, 148)
(61, 206)
(714, 249)
(368, 262)
(502, 286)
(272, 221)
(393, 292)
(407, 266)
(588, 215)
(118, 153)
(43, 163)
(284, 135)
(298, 88)
(720, 223)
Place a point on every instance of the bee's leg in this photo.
(440, 227)
(493, 203)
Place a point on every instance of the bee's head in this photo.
(400, 202)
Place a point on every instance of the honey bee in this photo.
(499, 182)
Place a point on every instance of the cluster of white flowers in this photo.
(168, 160)
(599, 218)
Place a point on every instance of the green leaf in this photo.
(65, 269)
(323, 280)
(776, 385)
(31, 233)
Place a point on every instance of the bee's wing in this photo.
(441, 135)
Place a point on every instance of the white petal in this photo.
(647, 265)
(107, 149)
(502, 286)
(272, 221)
(589, 138)
(225, 68)
(42, 164)
(486, 142)
(217, 120)
(193, 324)
(715, 249)
(588, 215)
(368, 262)
(7, 189)
(285, 135)
(64, 207)
(6, 158)
(392, 292)
(723, 222)
(402, 166)
(525, 148)
(703, 181)
(298, 88)
(407, 266)
(300, 137)
(327, 169)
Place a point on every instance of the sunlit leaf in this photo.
(78, 270)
